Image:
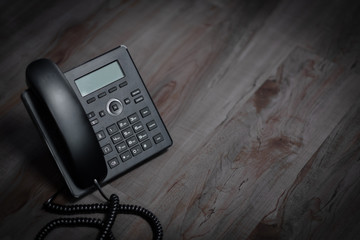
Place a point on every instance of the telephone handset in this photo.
(97, 119)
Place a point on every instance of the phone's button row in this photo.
(100, 135)
(91, 115)
(127, 101)
(90, 100)
(94, 122)
(113, 89)
(102, 113)
(151, 125)
(106, 149)
(123, 84)
(139, 99)
(103, 94)
(135, 92)
(145, 112)
(113, 162)
(158, 138)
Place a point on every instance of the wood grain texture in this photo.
(261, 99)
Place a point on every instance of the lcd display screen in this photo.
(99, 78)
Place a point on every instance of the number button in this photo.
(146, 145)
(123, 123)
(136, 150)
(121, 147)
(138, 127)
(127, 132)
(125, 156)
(116, 138)
(112, 129)
(133, 118)
(131, 141)
(142, 136)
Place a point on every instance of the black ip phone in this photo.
(97, 119)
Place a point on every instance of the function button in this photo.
(125, 156)
(138, 127)
(139, 99)
(123, 123)
(90, 100)
(158, 138)
(127, 101)
(123, 84)
(106, 149)
(113, 162)
(127, 132)
(114, 107)
(100, 135)
(133, 118)
(90, 115)
(116, 138)
(94, 122)
(112, 129)
(121, 147)
(131, 141)
(135, 92)
(102, 113)
(136, 150)
(103, 94)
(142, 136)
(145, 112)
(151, 125)
(146, 145)
(113, 89)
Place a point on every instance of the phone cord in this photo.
(110, 209)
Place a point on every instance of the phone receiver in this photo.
(61, 119)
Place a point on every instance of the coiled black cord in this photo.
(110, 209)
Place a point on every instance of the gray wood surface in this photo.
(261, 98)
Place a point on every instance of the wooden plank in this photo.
(322, 202)
(277, 131)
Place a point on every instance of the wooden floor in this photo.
(261, 98)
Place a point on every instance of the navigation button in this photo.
(114, 107)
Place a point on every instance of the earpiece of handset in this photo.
(48, 84)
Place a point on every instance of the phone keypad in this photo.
(129, 136)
